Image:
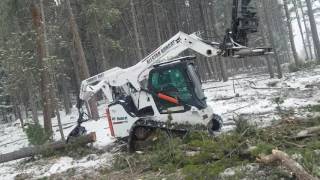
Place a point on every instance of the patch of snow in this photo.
(47, 167)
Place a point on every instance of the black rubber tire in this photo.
(215, 124)
(76, 132)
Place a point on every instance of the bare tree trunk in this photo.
(81, 60)
(204, 25)
(75, 67)
(43, 20)
(60, 125)
(135, 29)
(279, 26)
(53, 88)
(223, 69)
(65, 95)
(270, 37)
(314, 30)
(55, 105)
(4, 118)
(212, 33)
(51, 82)
(169, 31)
(143, 30)
(270, 67)
(45, 92)
(301, 30)
(308, 37)
(32, 101)
(103, 56)
(265, 41)
(221, 62)
(156, 22)
(18, 110)
(26, 111)
(291, 36)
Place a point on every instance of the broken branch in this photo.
(286, 161)
(309, 132)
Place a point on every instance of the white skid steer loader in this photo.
(159, 88)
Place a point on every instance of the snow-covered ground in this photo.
(251, 96)
(12, 132)
(13, 138)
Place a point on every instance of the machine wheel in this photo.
(144, 137)
(142, 133)
(215, 124)
(139, 138)
(76, 132)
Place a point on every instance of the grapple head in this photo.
(244, 21)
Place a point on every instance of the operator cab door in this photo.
(175, 89)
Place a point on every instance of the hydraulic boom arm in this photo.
(132, 76)
(119, 77)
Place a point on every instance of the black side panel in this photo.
(129, 106)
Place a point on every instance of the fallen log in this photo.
(55, 146)
(216, 87)
(225, 98)
(271, 88)
(309, 132)
(288, 163)
(229, 112)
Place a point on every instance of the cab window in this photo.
(172, 82)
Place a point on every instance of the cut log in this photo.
(309, 132)
(288, 163)
(55, 146)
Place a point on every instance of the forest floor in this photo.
(259, 113)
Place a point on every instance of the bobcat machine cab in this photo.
(160, 89)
